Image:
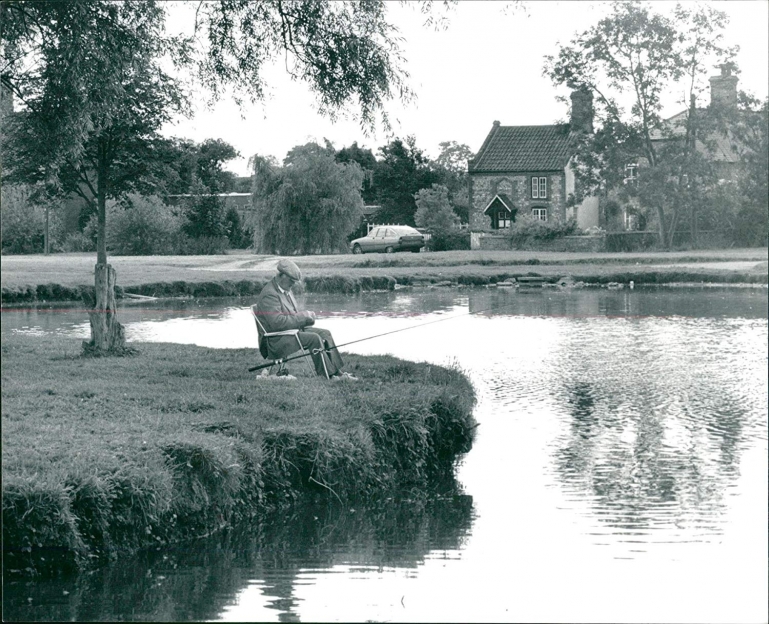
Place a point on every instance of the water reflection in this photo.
(653, 434)
(641, 302)
(200, 580)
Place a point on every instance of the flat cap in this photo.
(287, 267)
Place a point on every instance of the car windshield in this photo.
(406, 231)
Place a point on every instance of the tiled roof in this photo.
(523, 148)
(720, 147)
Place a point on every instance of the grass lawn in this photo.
(104, 455)
(72, 270)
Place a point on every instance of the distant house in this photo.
(722, 148)
(526, 170)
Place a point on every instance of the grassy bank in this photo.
(28, 279)
(107, 455)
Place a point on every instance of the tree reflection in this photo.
(197, 580)
(655, 430)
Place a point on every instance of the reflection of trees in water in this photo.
(641, 302)
(195, 581)
(657, 421)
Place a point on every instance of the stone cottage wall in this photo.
(483, 187)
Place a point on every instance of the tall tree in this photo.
(310, 205)
(434, 210)
(451, 165)
(637, 55)
(94, 97)
(367, 162)
(401, 171)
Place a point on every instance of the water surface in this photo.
(619, 473)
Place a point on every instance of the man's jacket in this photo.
(278, 311)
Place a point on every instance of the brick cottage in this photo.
(526, 170)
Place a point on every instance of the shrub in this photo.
(205, 217)
(448, 241)
(77, 241)
(23, 220)
(527, 228)
(139, 225)
(240, 237)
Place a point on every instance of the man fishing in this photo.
(278, 311)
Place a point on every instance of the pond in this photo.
(619, 472)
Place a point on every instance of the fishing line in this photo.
(394, 331)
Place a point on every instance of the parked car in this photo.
(389, 238)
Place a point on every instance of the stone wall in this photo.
(484, 187)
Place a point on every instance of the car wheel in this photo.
(389, 249)
(357, 250)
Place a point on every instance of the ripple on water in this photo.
(654, 419)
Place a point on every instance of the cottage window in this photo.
(539, 213)
(539, 188)
(503, 219)
(631, 173)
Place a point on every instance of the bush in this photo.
(139, 225)
(77, 241)
(205, 217)
(527, 228)
(449, 241)
(239, 236)
(23, 220)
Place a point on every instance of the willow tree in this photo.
(310, 205)
(93, 92)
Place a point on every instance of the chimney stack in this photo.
(582, 110)
(723, 88)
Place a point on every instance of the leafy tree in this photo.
(434, 210)
(401, 171)
(205, 215)
(636, 53)
(94, 97)
(752, 137)
(141, 226)
(451, 166)
(187, 162)
(453, 157)
(367, 162)
(308, 206)
(23, 219)
(347, 52)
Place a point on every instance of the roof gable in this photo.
(500, 198)
(523, 148)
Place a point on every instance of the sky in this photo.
(486, 65)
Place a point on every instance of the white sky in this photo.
(486, 66)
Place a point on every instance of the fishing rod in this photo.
(394, 331)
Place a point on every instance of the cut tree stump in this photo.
(107, 334)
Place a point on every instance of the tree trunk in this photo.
(47, 243)
(663, 232)
(107, 335)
